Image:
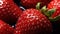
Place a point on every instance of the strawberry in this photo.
(5, 28)
(32, 3)
(55, 4)
(9, 12)
(32, 21)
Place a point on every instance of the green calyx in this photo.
(44, 9)
(38, 6)
(54, 19)
(50, 12)
(47, 12)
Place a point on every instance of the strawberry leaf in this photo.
(38, 6)
(54, 19)
(44, 9)
(50, 12)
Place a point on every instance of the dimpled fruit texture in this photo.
(5, 28)
(32, 3)
(9, 12)
(33, 22)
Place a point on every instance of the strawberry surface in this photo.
(5, 28)
(32, 3)
(32, 21)
(9, 11)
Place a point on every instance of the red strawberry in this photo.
(9, 12)
(5, 28)
(32, 3)
(55, 4)
(33, 21)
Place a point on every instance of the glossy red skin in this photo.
(32, 3)
(55, 4)
(9, 11)
(5, 28)
(33, 22)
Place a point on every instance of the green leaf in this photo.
(38, 6)
(44, 9)
(54, 19)
(50, 12)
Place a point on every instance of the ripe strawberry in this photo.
(9, 12)
(55, 4)
(5, 28)
(33, 22)
(32, 3)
